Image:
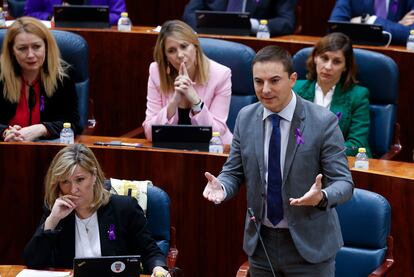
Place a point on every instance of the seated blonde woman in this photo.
(37, 95)
(184, 86)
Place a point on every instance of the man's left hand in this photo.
(312, 197)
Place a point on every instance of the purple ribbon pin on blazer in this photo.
(42, 103)
(338, 115)
(111, 232)
(299, 137)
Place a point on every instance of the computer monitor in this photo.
(107, 266)
(223, 23)
(359, 33)
(187, 137)
(81, 16)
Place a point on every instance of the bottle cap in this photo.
(362, 150)
(216, 134)
(263, 21)
(66, 125)
(124, 14)
(412, 32)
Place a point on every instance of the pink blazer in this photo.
(216, 95)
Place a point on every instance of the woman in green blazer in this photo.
(331, 82)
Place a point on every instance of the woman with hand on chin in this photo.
(184, 86)
(331, 82)
(37, 95)
(82, 219)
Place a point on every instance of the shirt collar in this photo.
(286, 113)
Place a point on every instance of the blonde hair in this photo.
(178, 30)
(63, 166)
(53, 69)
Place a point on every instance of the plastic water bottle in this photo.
(124, 23)
(216, 145)
(361, 159)
(2, 18)
(263, 31)
(410, 41)
(66, 135)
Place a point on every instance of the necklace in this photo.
(85, 222)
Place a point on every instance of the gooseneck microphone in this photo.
(253, 219)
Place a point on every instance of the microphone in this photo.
(253, 219)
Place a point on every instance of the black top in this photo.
(60, 108)
(57, 248)
(184, 116)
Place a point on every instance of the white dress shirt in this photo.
(87, 239)
(322, 99)
(286, 116)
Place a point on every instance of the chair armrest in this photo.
(396, 147)
(243, 270)
(388, 262)
(137, 132)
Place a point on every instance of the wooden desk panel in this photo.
(209, 237)
(119, 74)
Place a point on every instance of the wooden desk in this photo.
(209, 237)
(119, 76)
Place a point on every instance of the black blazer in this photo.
(60, 108)
(280, 13)
(57, 248)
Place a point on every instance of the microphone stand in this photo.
(253, 219)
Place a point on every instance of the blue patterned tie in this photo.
(380, 8)
(234, 5)
(274, 176)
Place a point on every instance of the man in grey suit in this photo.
(293, 192)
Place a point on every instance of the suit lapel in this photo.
(106, 218)
(258, 137)
(297, 123)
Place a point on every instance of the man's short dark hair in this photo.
(274, 53)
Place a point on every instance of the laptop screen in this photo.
(223, 23)
(107, 266)
(188, 137)
(81, 16)
(359, 33)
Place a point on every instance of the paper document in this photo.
(42, 273)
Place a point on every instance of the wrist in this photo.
(196, 108)
(323, 203)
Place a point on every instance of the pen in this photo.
(118, 143)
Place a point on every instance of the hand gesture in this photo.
(13, 133)
(62, 207)
(213, 191)
(408, 19)
(184, 84)
(312, 197)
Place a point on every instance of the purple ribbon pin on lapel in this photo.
(111, 232)
(299, 137)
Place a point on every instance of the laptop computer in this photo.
(187, 137)
(107, 266)
(223, 23)
(81, 16)
(359, 33)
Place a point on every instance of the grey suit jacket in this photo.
(316, 233)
